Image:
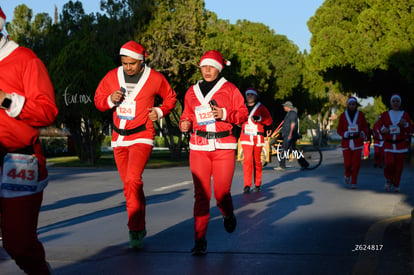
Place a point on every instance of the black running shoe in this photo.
(230, 223)
(257, 188)
(246, 189)
(200, 247)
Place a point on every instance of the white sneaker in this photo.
(353, 186)
(347, 180)
(387, 185)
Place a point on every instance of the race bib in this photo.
(394, 130)
(20, 172)
(353, 128)
(126, 110)
(204, 115)
(251, 129)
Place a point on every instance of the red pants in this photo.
(378, 156)
(352, 163)
(131, 162)
(19, 217)
(219, 164)
(366, 149)
(394, 163)
(252, 159)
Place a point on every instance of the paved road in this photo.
(303, 222)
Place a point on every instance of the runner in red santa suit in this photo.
(210, 108)
(353, 129)
(129, 92)
(378, 145)
(396, 127)
(252, 140)
(27, 102)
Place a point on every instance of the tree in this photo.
(75, 79)
(27, 31)
(174, 50)
(366, 46)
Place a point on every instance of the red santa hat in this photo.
(134, 50)
(351, 99)
(2, 19)
(215, 59)
(251, 91)
(395, 96)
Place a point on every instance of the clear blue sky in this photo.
(286, 17)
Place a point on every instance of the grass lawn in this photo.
(159, 158)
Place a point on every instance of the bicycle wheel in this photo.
(264, 156)
(312, 155)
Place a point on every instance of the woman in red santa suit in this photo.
(210, 108)
(252, 140)
(129, 92)
(27, 102)
(353, 129)
(396, 127)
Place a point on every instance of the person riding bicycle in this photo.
(290, 134)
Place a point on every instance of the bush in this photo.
(107, 141)
(159, 141)
(54, 146)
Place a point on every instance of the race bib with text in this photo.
(20, 172)
(204, 115)
(126, 110)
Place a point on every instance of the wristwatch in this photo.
(6, 102)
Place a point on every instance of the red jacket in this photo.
(353, 132)
(377, 135)
(228, 97)
(24, 76)
(399, 141)
(264, 119)
(151, 83)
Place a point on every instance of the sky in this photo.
(285, 17)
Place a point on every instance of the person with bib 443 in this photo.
(353, 129)
(129, 92)
(210, 108)
(27, 102)
(396, 127)
(252, 140)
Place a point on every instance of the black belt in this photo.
(260, 133)
(213, 135)
(127, 132)
(394, 141)
(353, 137)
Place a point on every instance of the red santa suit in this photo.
(378, 145)
(396, 143)
(24, 78)
(133, 135)
(212, 147)
(353, 133)
(252, 142)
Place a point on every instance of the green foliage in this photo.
(260, 58)
(366, 46)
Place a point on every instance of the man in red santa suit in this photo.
(396, 127)
(252, 140)
(378, 145)
(27, 102)
(129, 92)
(211, 106)
(353, 129)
